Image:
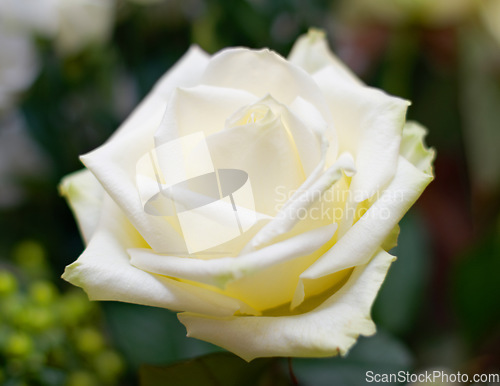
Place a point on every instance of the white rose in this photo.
(18, 65)
(83, 22)
(37, 16)
(73, 24)
(298, 275)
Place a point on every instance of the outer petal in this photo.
(84, 194)
(329, 329)
(185, 73)
(105, 273)
(371, 230)
(114, 163)
(413, 147)
(220, 271)
(369, 124)
(311, 52)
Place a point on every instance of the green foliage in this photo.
(220, 369)
(151, 335)
(400, 300)
(382, 354)
(476, 294)
(49, 337)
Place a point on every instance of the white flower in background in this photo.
(424, 12)
(31, 16)
(19, 19)
(18, 65)
(73, 24)
(325, 165)
(83, 22)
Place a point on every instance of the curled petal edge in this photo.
(328, 330)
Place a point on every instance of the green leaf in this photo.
(476, 294)
(399, 301)
(151, 335)
(381, 353)
(219, 369)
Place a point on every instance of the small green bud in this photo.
(109, 365)
(43, 292)
(13, 308)
(81, 378)
(18, 344)
(30, 254)
(89, 341)
(74, 307)
(39, 318)
(8, 283)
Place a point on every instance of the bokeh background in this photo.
(72, 70)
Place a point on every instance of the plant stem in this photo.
(292, 374)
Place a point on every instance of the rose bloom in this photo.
(72, 24)
(82, 23)
(18, 66)
(310, 172)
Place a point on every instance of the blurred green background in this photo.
(72, 70)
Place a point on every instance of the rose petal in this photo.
(114, 163)
(200, 108)
(263, 149)
(327, 330)
(392, 240)
(304, 197)
(105, 273)
(413, 147)
(311, 52)
(369, 124)
(185, 73)
(84, 194)
(371, 230)
(265, 72)
(219, 272)
(307, 129)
